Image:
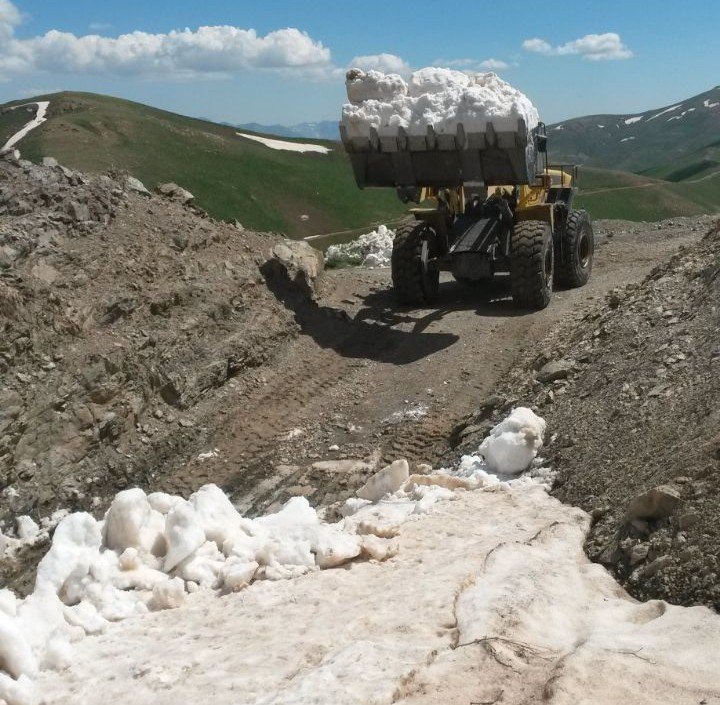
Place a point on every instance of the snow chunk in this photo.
(386, 481)
(26, 528)
(130, 521)
(168, 595)
(513, 444)
(75, 547)
(184, 535)
(370, 250)
(633, 120)
(627, 139)
(374, 85)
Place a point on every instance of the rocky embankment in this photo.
(122, 314)
(630, 395)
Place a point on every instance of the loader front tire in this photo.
(413, 285)
(574, 251)
(531, 264)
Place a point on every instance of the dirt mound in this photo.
(122, 317)
(631, 396)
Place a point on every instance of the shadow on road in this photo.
(356, 338)
(491, 299)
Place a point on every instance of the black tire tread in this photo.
(567, 274)
(406, 274)
(527, 268)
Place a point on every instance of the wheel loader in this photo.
(488, 202)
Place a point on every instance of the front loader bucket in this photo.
(497, 153)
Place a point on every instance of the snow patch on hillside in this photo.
(286, 146)
(633, 120)
(38, 120)
(664, 112)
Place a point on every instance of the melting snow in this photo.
(663, 112)
(434, 96)
(627, 139)
(601, 126)
(708, 104)
(491, 592)
(414, 412)
(372, 249)
(682, 114)
(287, 146)
(39, 119)
(633, 120)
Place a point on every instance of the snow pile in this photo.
(439, 97)
(286, 146)
(149, 551)
(370, 250)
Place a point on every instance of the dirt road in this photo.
(367, 381)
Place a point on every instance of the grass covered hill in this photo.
(230, 176)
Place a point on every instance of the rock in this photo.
(687, 519)
(49, 162)
(44, 272)
(386, 481)
(133, 184)
(79, 211)
(638, 553)
(655, 566)
(175, 192)
(302, 263)
(657, 503)
(554, 370)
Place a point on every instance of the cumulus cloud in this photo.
(473, 64)
(206, 50)
(593, 47)
(387, 63)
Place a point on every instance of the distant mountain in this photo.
(323, 130)
(676, 142)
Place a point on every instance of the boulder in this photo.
(386, 481)
(133, 184)
(302, 263)
(554, 370)
(175, 193)
(657, 503)
(49, 162)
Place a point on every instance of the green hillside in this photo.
(230, 176)
(616, 194)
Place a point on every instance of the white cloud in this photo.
(387, 63)
(593, 47)
(473, 64)
(206, 50)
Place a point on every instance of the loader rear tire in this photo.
(412, 285)
(574, 251)
(531, 264)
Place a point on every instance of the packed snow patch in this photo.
(149, 551)
(708, 104)
(627, 139)
(285, 145)
(370, 250)
(433, 96)
(633, 120)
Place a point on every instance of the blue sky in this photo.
(647, 54)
